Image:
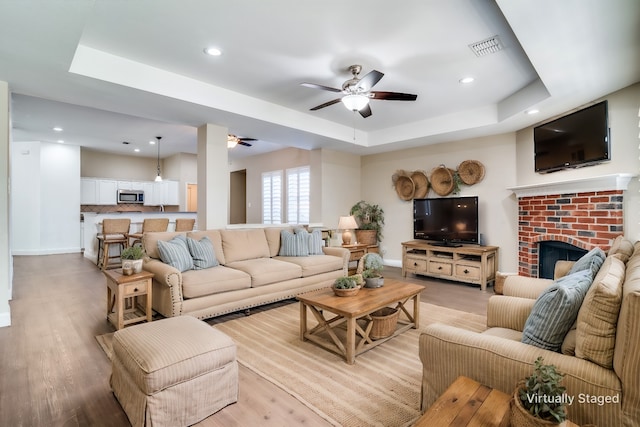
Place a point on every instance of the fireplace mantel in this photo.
(619, 181)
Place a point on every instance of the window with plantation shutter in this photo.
(298, 189)
(272, 197)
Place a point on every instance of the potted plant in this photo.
(345, 286)
(372, 270)
(132, 259)
(370, 219)
(540, 399)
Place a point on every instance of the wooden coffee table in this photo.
(331, 312)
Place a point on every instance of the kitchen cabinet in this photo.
(88, 191)
(98, 191)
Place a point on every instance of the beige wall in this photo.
(497, 205)
(6, 270)
(98, 164)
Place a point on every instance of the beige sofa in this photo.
(600, 359)
(250, 273)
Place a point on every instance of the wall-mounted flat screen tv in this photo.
(576, 140)
(446, 221)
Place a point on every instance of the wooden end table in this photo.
(123, 306)
(350, 310)
(468, 403)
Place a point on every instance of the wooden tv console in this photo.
(466, 263)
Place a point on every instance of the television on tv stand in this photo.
(446, 221)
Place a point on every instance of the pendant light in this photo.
(158, 177)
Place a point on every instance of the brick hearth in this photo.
(582, 219)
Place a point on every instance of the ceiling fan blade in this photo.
(246, 144)
(365, 111)
(326, 104)
(369, 80)
(246, 139)
(315, 86)
(393, 96)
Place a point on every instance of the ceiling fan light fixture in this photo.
(232, 141)
(355, 102)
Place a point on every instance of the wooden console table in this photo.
(466, 263)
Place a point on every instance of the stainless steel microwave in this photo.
(130, 196)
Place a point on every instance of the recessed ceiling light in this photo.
(137, 150)
(152, 142)
(213, 51)
(60, 141)
(467, 80)
(58, 129)
(532, 111)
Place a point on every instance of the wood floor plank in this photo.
(53, 372)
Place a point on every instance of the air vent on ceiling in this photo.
(485, 47)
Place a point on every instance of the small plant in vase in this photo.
(372, 270)
(540, 399)
(132, 260)
(345, 286)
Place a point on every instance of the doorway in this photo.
(192, 197)
(238, 197)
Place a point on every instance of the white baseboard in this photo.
(5, 319)
(393, 262)
(56, 251)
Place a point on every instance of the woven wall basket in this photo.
(403, 184)
(441, 180)
(471, 171)
(421, 184)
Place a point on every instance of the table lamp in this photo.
(345, 224)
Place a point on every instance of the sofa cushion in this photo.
(241, 245)
(315, 264)
(621, 247)
(214, 280)
(264, 271)
(150, 241)
(175, 252)
(294, 244)
(273, 239)
(555, 311)
(216, 239)
(591, 261)
(202, 253)
(598, 316)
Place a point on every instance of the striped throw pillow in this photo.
(555, 311)
(293, 244)
(176, 253)
(315, 242)
(202, 253)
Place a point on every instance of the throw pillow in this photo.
(175, 252)
(314, 239)
(202, 253)
(621, 247)
(591, 261)
(598, 316)
(293, 244)
(555, 311)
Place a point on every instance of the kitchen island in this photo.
(93, 225)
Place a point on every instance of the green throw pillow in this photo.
(175, 252)
(202, 253)
(555, 311)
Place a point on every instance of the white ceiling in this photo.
(111, 71)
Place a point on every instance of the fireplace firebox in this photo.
(549, 252)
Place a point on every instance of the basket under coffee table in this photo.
(332, 312)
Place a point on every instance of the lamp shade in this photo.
(355, 102)
(347, 223)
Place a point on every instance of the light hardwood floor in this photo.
(53, 372)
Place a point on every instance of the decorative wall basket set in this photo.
(444, 181)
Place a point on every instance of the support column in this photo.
(213, 177)
(6, 270)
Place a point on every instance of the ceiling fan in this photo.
(233, 140)
(357, 92)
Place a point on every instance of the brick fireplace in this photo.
(584, 213)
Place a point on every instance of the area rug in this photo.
(382, 388)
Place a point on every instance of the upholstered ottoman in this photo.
(173, 372)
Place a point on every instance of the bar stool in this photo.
(149, 225)
(114, 232)
(185, 224)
